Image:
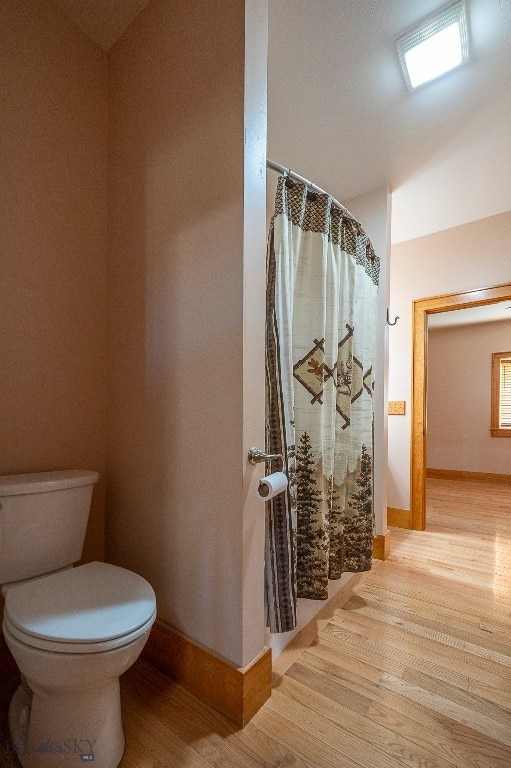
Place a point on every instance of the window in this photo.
(501, 394)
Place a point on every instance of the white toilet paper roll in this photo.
(271, 485)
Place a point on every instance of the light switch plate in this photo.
(397, 407)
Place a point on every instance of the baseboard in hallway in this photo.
(399, 518)
(456, 474)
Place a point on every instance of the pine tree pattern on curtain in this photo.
(322, 284)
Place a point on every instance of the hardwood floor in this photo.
(413, 669)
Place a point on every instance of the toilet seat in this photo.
(56, 646)
(88, 609)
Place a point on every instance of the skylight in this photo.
(438, 45)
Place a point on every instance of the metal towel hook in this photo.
(256, 456)
(388, 318)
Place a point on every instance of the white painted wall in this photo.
(186, 315)
(466, 180)
(471, 256)
(459, 398)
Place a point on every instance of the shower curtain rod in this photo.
(296, 176)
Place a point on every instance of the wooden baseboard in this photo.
(381, 546)
(237, 692)
(456, 474)
(399, 518)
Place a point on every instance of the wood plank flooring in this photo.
(412, 668)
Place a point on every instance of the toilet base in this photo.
(67, 731)
(67, 710)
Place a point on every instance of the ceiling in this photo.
(489, 313)
(103, 21)
(338, 109)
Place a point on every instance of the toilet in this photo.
(71, 630)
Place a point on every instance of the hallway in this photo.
(413, 670)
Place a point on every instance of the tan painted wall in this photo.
(463, 258)
(185, 263)
(52, 248)
(459, 398)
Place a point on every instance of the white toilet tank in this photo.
(43, 519)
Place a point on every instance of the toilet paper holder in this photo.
(256, 456)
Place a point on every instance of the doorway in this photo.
(421, 309)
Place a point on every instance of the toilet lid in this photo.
(88, 604)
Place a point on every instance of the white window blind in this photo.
(505, 394)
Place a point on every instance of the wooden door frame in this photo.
(421, 309)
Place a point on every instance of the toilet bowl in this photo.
(72, 634)
(72, 631)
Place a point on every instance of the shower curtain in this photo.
(322, 283)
